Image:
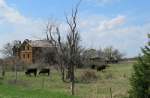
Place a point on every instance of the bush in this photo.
(88, 76)
(140, 80)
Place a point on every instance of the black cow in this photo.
(31, 71)
(45, 71)
(93, 66)
(100, 68)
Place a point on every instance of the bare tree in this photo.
(54, 38)
(112, 54)
(73, 39)
(10, 59)
(117, 54)
(7, 50)
(108, 51)
(67, 52)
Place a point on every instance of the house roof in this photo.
(39, 43)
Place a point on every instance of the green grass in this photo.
(9, 91)
(115, 77)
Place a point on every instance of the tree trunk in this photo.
(68, 75)
(63, 73)
(72, 81)
(3, 71)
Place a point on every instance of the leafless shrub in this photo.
(120, 95)
(108, 75)
(88, 76)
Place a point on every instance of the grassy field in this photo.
(115, 77)
(7, 91)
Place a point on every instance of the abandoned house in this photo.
(31, 51)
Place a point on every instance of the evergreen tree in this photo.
(140, 80)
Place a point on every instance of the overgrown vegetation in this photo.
(115, 77)
(88, 76)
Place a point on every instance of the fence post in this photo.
(111, 93)
(43, 82)
(16, 75)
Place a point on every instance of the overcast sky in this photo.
(123, 24)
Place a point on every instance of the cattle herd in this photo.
(46, 71)
(34, 71)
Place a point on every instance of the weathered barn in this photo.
(30, 51)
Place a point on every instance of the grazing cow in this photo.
(93, 66)
(100, 68)
(31, 71)
(45, 71)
